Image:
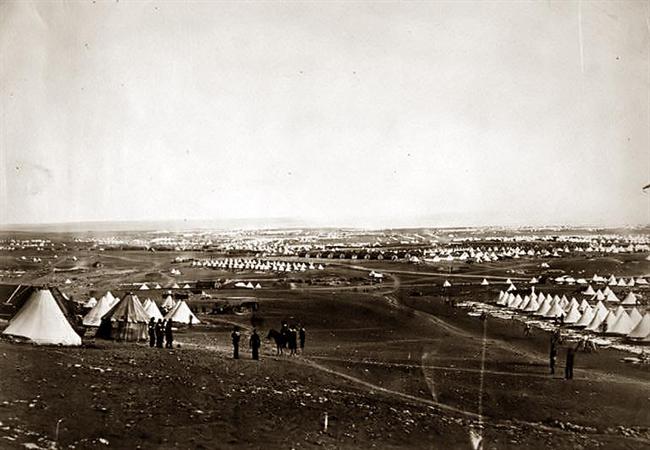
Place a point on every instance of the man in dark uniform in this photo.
(552, 356)
(169, 337)
(255, 344)
(568, 369)
(284, 331)
(235, 335)
(301, 336)
(152, 332)
(293, 340)
(160, 332)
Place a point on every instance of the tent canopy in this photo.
(41, 320)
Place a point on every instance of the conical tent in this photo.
(584, 304)
(571, 304)
(621, 326)
(485, 282)
(573, 315)
(41, 320)
(168, 303)
(599, 316)
(544, 307)
(152, 310)
(642, 330)
(94, 316)
(611, 297)
(586, 318)
(600, 296)
(532, 306)
(554, 311)
(112, 299)
(635, 317)
(181, 313)
(589, 291)
(446, 284)
(144, 287)
(630, 299)
(90, 303)
(601, 308)
(126, 321)
(522, 306)
(609, 321)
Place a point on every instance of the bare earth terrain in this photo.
(392, 365)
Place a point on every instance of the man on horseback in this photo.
(280, 342)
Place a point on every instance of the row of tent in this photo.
(249, 285)
(611, 281)
(146, 287)
(42, 321)
(485, 282)
(597, 318)
(257, 264)
(177, 311)
(608, 295)
(495, 254)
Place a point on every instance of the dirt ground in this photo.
(389, 368)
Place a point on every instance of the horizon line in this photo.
(286, 225)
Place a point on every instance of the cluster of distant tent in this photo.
(566, 279)
(257, 264)
(611, 281)
(495, 253)
(41, 319)
(582, 315)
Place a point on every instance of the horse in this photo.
(279, 338)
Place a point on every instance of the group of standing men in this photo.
(291, 336)
(160, 333)
(254, 343)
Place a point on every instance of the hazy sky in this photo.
(370, 114)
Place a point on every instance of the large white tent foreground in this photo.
(41, 321)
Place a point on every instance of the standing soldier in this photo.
(152, 332)
(552, 356)
(169, 337)
(293, 341)
(301, 335)
(255, 343)
(235, 335)
(568, 369)
(284, 331)
(160, 331)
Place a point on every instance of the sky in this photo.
(365, 114)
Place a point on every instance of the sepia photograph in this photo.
(327, 224)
